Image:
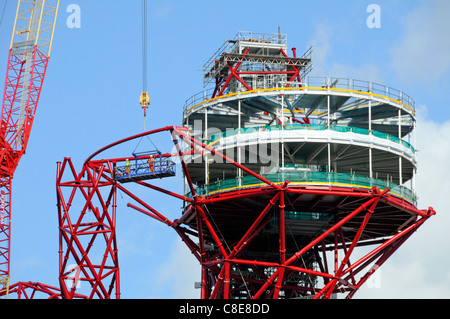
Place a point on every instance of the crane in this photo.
(29, 54)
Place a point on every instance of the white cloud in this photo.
(367, 72)
(433, 180)
(419, 269)
(322, 47)
(178, 274)
(164, 10)
(405, 280)
(422, 54)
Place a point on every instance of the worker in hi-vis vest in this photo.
(151, 163)
(127, 167)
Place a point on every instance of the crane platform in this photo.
(145, 168)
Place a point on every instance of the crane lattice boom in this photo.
(27, 64)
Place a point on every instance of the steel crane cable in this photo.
(144, 45)
(144, 98)
(139, 142)
(144, 58)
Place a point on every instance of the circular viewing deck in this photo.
(328, 131)
(285, 173)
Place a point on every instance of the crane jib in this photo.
(29, 53)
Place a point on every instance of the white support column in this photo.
(282, 132)
(238, 143)
(328, 107)
(400, 170)
(328, 125)
(205, 137)
(183, 148)
(239, 116)
(413, 180)
(370, 133)
(329, 157)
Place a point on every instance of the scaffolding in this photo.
(254, 61)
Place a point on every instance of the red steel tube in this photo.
(330, 230)
(212, 231)
(232, 71)
(282, 236)
(244, 240)
(167, 128)
(411, 228)
(313, 243)
(229, 160)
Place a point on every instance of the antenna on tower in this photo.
(145, 97)
(279, 35)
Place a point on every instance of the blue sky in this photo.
(90, 98)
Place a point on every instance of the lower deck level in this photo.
(308, 211)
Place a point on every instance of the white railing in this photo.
(323, 82)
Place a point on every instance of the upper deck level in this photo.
(348, 104)
(262, 107)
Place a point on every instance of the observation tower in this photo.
(331, 166)
(295, 187)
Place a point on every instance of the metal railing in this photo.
(322, 82)
(305, 177)
(315, 127)
(230, 46)
(362, 86)
(142, 168)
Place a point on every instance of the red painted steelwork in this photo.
(35, 290)
(93, 229)
(222, 83)
(228, 269)
(14, 134)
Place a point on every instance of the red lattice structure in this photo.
(272, 206)
(28, 59)
(36, 290)
(245, 251)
